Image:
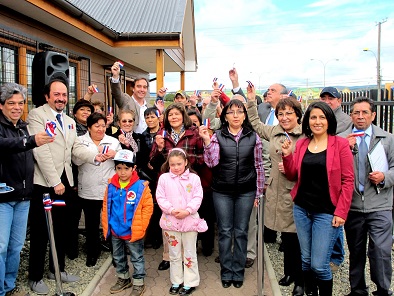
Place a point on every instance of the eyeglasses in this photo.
(237, 112)
(287, 114)
(364, 113)
(127, 120)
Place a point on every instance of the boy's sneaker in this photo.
(121, 284)
(39, 287)
(17, 292)
(138, 290)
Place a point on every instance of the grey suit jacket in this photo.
(54, 158)
(124, 101)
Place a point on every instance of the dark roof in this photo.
(135, 17)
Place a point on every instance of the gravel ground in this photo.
(341, 277)
(75, 267)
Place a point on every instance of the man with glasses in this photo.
(332, 97)
(369, 219)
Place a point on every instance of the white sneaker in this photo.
(39, 287)
(65, 277)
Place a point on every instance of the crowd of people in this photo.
(153, 175)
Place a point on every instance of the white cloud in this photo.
(274, 42)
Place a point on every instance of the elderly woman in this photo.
(322, 167)
(179, 132)
(234, 153)
(133, 141)
(278, 210)
(93, 180)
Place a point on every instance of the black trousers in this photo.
(39, 230)
(207, 211)
(292, 264)
(378, 227)
(92, 209)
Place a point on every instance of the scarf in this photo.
(176, 136)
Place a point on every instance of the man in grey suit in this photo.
(53, 175)
(370, 211)
(136, 102)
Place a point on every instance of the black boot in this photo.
(310, 283)
(325, 287)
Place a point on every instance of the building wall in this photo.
(26, 33)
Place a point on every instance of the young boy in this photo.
(127, 208)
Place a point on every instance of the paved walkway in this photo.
(158, 282)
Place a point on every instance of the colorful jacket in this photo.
(126, 212)
(179, 192)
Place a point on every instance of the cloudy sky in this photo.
(274, 41)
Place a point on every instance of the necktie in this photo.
(59, 119)
(271, 117)
(362, 154)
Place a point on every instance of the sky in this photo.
(274, 41)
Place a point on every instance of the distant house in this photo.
(150, 36)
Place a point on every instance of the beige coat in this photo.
(54, 158)
(278, 211)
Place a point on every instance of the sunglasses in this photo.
(127, 120)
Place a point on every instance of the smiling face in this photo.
(287, 118)
(318, 122)
(126, 122)
(140, 89)
(58, 96)
(177, 165)
(97, 130)
(175, 118)
(82, 114)
(13, 108)
(334, 103)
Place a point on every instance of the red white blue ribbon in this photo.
(215, 79)
(164, 133)
(290, 93)
(157, 112)
(48, 203)
(121, 64)
(359, 133)
(206, 122)
(110, 110)
(197, 93)
(95, 89)
(250, 83)
(105, 149)
(221, 87)
(50, 127)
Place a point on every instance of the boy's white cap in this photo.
(125, 156)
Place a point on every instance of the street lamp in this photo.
(324, 68)
(378, 78)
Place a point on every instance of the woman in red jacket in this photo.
(322, 166)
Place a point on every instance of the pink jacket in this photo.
(179, 192)
(339, 171)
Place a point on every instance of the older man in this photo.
(17, 165)
(369, 220)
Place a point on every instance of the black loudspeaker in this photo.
(48, 65)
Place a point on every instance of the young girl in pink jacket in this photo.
(179, 195)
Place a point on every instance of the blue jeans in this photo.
(233, 214)
(338, 252)
(136, 257)
(13, 223)
(317, 238)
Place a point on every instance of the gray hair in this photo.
(10, 89)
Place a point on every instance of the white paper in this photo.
(377, 158)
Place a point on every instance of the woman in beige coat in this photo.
(278, 213)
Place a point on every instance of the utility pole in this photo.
(379, 98)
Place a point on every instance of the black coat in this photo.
(16, 159)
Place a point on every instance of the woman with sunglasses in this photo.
(133, 141)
